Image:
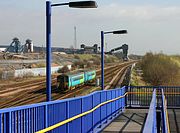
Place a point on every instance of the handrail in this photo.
(150, 125)
(80, 115)
(9, 121)
(4, 110)
(158, 93)
(165, 119)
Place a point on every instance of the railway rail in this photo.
(36, 92)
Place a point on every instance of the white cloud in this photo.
(154, 13)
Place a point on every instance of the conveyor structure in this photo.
(124, 47)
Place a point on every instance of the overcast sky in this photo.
(153, 25)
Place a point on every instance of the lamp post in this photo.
(49, 5)
(102, 51)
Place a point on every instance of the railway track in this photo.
(118, 78)
(35, 92)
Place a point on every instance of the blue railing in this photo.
(35, 117)
(150, 125)
(164, 115)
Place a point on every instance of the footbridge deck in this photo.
(130, 121)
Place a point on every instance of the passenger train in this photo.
(69, 81)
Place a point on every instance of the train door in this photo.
(66, 88)
(60, 82)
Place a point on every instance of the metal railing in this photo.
(89, 113)
(150, 124)
(164, 115)
(140, 96)
(172, 95)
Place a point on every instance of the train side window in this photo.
(91, 74)
(77, 78)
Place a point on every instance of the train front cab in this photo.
(62, 81)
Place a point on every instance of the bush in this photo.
(40, 65)
(79, 64)
(158, 69)
(73, 67)
(64, 69)
(1, 74)
(96, 61)
(109, 60)
(89, 64)
(76, 57)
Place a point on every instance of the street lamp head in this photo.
(120, 32)
(83, 4)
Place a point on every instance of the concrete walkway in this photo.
(131, 121)
(174, 120)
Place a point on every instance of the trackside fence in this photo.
(150, 124)
(77, 115)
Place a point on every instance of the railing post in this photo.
(158, 90)
(92, 113)
(126, 90)
(130, 96)
(46, 116)
(121, 101)
(100, 110)
(0, 124)
(124, 101)
(67, 111)
(82, 129)
(106, 107)
(8, 122)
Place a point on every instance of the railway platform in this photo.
(131, 109)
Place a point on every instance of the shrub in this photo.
(64, 69)
(158, 69)
(79, 64)
(89, 64)
(1, 74)
(76, 57)
(39, 65)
